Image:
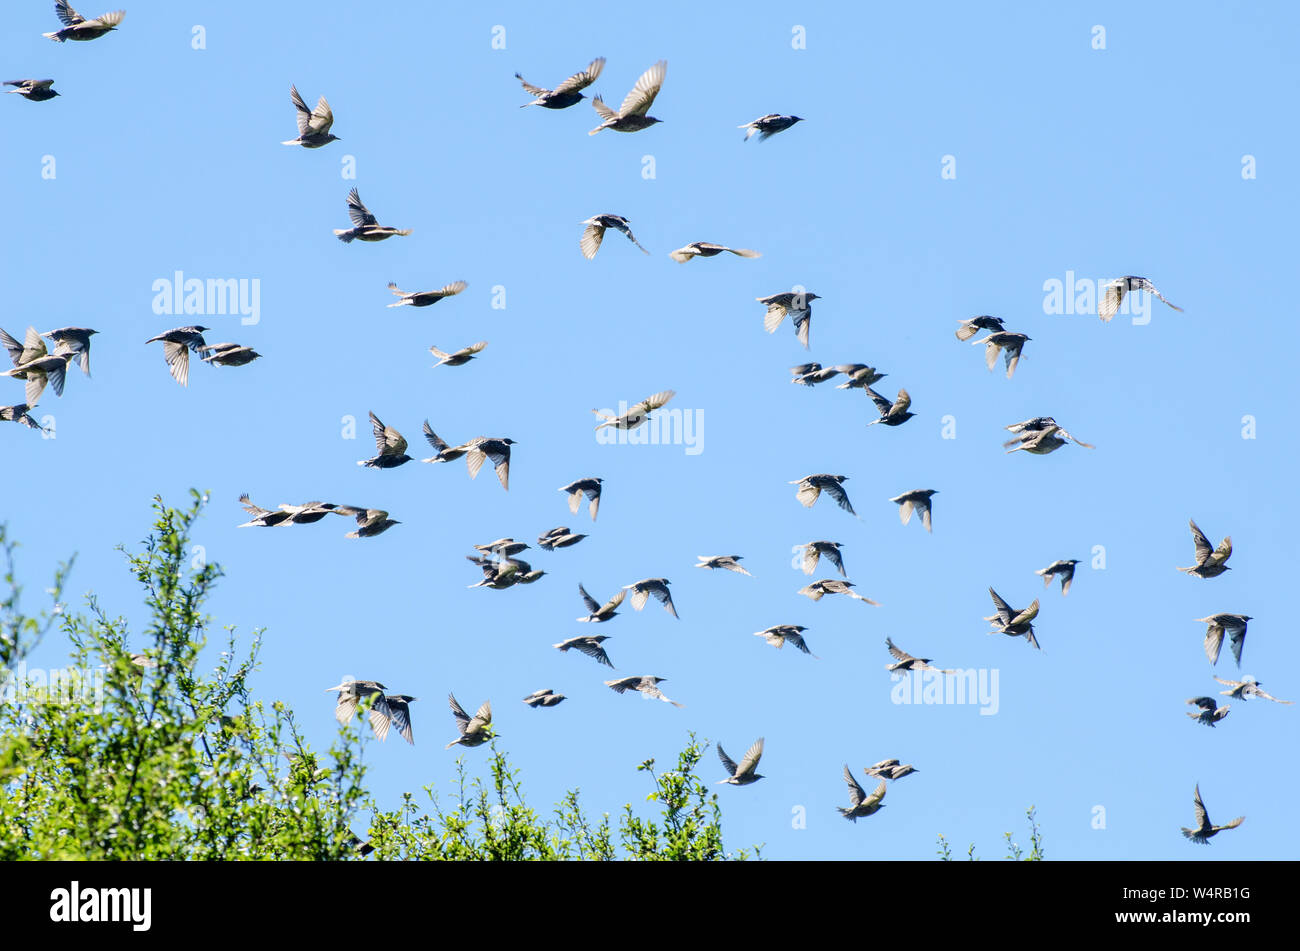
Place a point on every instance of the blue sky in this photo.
(1100, 162)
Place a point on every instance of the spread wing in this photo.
(359, 213)
(588, 600)
(591, 238)
(69, 16)
(856, 793)
(605, 111)
(304, 114)
(1003, 609)
(643, 94)
(462, 718)
(1203, 547)
(727, 763)
(388, 441)
(576, 82)
(1111, 299)
(901, 404)
(750, 761)
(322, 117)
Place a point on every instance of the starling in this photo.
(730, 562)
(860, 376)
(798, 304)
(365, 227)
(74, 340)
(313, 126)
(642, 590)
(559, 537)
(502, 547)
(810, 374)
(37, 90)
(228, 354)
(882, 765)
(473, 732)
(1041, 441)
(1013, 623)
(1038, 424)
(811, 487)
(390, 447)
(1008, 344)
(1204, 831)
(543, 698)
(589, 487)
(37, 373)
(498, 574)
(600, 612)
(567, 93)
(631, 116)
(1116, 290)
(594, 233)
(891, 414)
(589, 646)
(20, 413)
(646, 685)
(744, 773)
(399, 708)
(310, 513)
(77, 27)
(918, 499)
(1210, 563)
(891, 770)
(818, 589)
(860, 804)
(482, 448)
(1211, 713)
(445, 453)
(1234, 625)
(460, 357)
(636, 415)
(1246, 689)
(425, 298)
(707, 249)
(768, 125)
(369, 521)
(814, 550)
(905, 661)
(177, 345)
(351, 692)
(262, 518)
(972, 326)
(779, 634)
(1064, 568)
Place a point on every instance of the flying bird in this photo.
(1246, 689)
(77, 27)
(559, 537)
(567, 93)
(919, 499)
(351, 692)
(262, 518)
(594, 233)
(543, 698)
(369, 521)
(74, 340)
(860, 804)
(390, 447)
(798, 304)
(646, 685)
(1204, 831)
(482, 448)
(972, 326)
(399, 708)
(768, 125)
(642, 590)
(589, 646)
(905, 661)
(779, 634)
(1234, 625)
(591, 488)
(730, 562)
(891, 770)
(1116, 289)
(631, 116)
(814, 550)
(818, 589)
(44, 369)
(1008, 344)
(228, 354)
(810, 374)
(313, 125)
(744, 772)
(365, 227)
(600, 612)
(20, 413)
(474, 731)
(1039, 436)
(1007, 621)
(1211, 713)
(1210, 562)
(891, 414)
(707, 249)
(1064, 569)
(309, 513)
(460, 357)
(444, 452)
(636, 415)
(812, 486)
(177, 345)
(860, 376)
(37, 90)
(425, 298)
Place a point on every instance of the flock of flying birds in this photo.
(498, 560)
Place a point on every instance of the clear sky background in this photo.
(1126, 160)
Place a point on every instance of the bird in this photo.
(502, 547)
(543, 698)
(594, 233)
(228, 354)
(905, 661)
(591, 488)
(919, 499)
(45, 369)
(798, 304)
(891, 770)
(1040, 436)
(365, 227)
(1204, 831)
(1234, 625)
(1013, 623)
(730, 562)
(707, 249)
(1008, 344)
(1064, 569)
(810, 374)
(1246, 689)
(482, 448)
(474, 731)
(1210, 563)
(351, 692)
(882, 765)
(891, 414)
(445, 453)
(636, 415)
(779, 634)
(32, 348)
(631, 116)
(818, 589)
(559, 537)
(642, 590)
(313, 126)
(1116, 289)
(177, 345)
(587, 645)
(860, 376)
(77, 27)
(645, 684)
(399, 708)
(812, 486)
(36, 90)
(742, 773)
(814, 550)
(972, 326)
(425, 298)
(499, 573)
(600, 612)
(460, 357)
(369, 521)
(860, 804)
(309, 513)
(262, 518)
(567, 93)
(74, 340)
(1211, 713)
(768, 125)
(390, 447)
(20, 413)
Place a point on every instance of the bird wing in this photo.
(462, 718)
(1111, 299)
(588, 600)
(1205, 703)
(897, 652)
(482, 717)
(388, 441)
(727, 763)
(450, 290)
(359, 213)
(1203, 547)
(1213, 641)
(578, 81)
(1223, 552)
(303, 113)
(836, 492)
(833, 556)
(177, 356)
(856, 793)
(643, 94)
(901, 404)
(749, 762)
(69, 16)
(591, 238)
(663, 594)
(990, 352)
(882, 405)
(877, 794)
(401, 717)
(474, 461)
(639, 596)
(1003, 609)
(1028, 614)
(433, 438)
(1202, 817)
(622, 686)
(775, 314)
(592, 649)
(605, 111)
(322, 117)
(1237, 640)
(814, 591)
(113, 19)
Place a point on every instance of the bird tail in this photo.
(53, 36)
(344, 236)
(292, 142)
(966, 331)
(748, 134)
